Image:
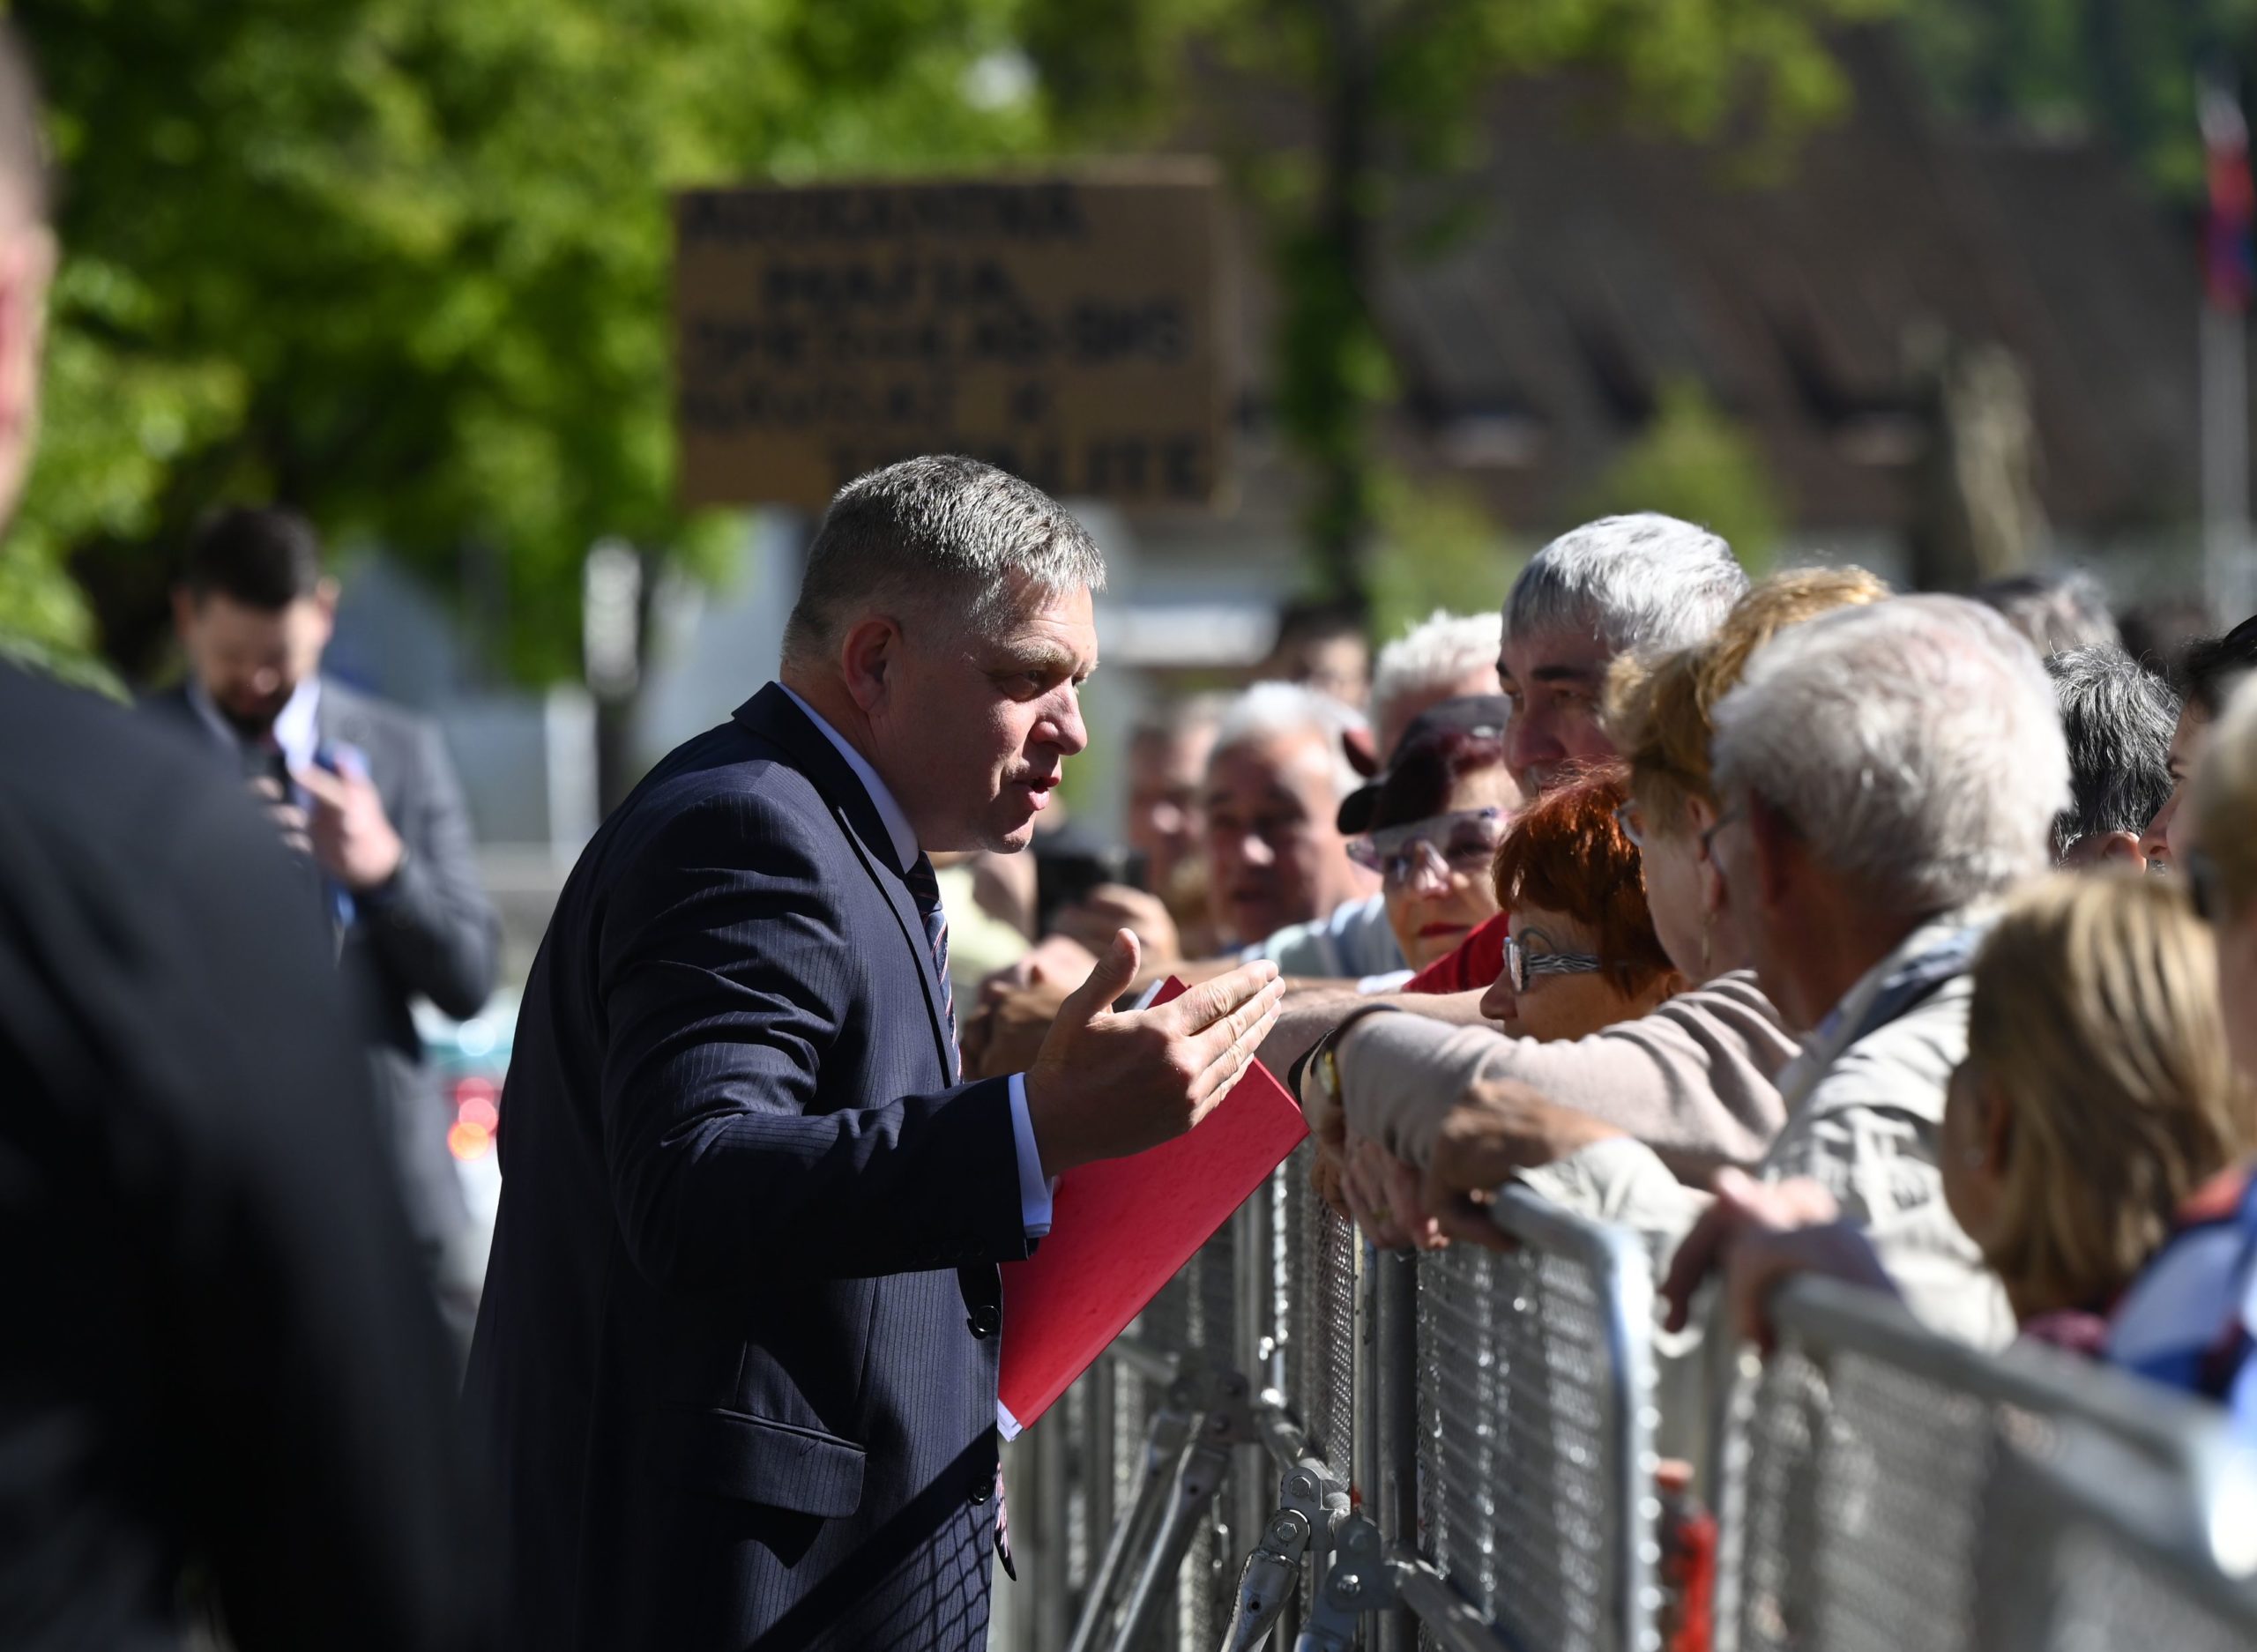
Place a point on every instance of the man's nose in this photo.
(1529, 740)
(1254, 850)
(1067, 732)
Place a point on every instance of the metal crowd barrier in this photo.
(1872, 1478)
(2117, 1575)
(1307, 1444)
(1536, 1429)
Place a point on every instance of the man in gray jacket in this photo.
(366, 791)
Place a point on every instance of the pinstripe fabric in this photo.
(735, 1367)
(924, 886)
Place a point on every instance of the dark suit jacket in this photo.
(431, 933)
(736, 1359)
(220, 1356)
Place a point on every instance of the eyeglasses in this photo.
(1633, 824)
(1465, 841)
(1708, 837)
(1520, 967)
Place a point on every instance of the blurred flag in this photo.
(2229, 261)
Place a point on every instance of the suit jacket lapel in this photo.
(771, 715)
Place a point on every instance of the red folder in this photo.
(1121, 1228)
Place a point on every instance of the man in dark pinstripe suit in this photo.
(736, 1362)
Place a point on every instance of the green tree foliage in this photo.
(1693, 462)
(2124, 70)
(1434, 546)
(404, 264)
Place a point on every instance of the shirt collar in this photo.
(297, 727)
(1938, 948)
(897, 823)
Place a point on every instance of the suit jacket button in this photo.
(985, 1320)
(983, 1487)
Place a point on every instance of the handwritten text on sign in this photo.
(1064, 329)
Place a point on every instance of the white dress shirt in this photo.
(1034, 1192)
(297, 727)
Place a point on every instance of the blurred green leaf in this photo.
(404, 264)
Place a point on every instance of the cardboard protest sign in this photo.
(1069, 329)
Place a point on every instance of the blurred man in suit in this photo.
(367, 792)
(221, 1383)
(737, 1357)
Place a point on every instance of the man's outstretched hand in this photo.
(1109, 1083)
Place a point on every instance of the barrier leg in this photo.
(1200, 1473)
(1263, 1588)
(1164, 1447)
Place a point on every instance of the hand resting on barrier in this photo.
(1746, 1231)
(1498, 1126)
(1382, 1197)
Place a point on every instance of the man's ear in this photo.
(1998, 1127)
(325, 599)
(1700, 817)
(1778, 849)
(2115, 849)
(868, 656)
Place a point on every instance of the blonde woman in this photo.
(2096, 1096)
(2190, 1318)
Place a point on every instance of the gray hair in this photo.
(2118, 719)
(1912, 744)
(1435, 653)
(2058, 612)
(938, 533)
(1272, 710)
(1642, 583)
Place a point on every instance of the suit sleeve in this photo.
(433, 923)
(316, 1392)
(725, 974)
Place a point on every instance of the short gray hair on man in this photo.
(2117, 718)
(1913, 745)
(1435, 653)
(1641, 584)
(943, 533)
(1271, 710)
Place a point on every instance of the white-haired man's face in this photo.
(1553, 679)
(1275, 855)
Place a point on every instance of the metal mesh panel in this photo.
(1319, 1318)
(1867, 1487)
(2112, 1596)
(1519, 1478)
(1884, 1487)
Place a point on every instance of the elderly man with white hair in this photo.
(1886, 772)
(1278, 866)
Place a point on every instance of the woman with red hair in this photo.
(1580, 949)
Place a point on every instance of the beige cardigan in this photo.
(1695, 1081)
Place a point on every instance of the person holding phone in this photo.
(366, 791)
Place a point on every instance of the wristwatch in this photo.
(1322, 1064)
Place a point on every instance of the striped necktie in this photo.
(925, 888)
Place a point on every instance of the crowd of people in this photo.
(1801, 925)
(1798, 925)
